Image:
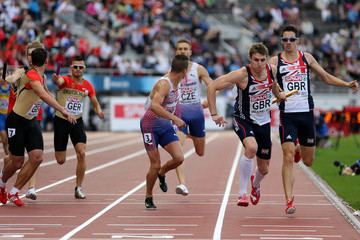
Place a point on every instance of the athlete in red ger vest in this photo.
(296, 114)
(251, 118)
(72, 91)
(23, 130)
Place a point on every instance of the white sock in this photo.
(2, 184)
(14, 190)
(258, 178)
(246, 168)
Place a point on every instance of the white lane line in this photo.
(36, 216)
(220, 219)
(95, 151)
(109, 164)
(290, 236)
(142, 237)
(160, 216)
(302, 218)
(288, 230)
(149, 229)
(150, 225)
(332, 197)
(12, 236)
(138, 187)
(32, 224)
(287, 226)
(91, 142)
(40, 233)
(16, 229)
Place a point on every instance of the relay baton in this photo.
(288, 94)
(58, 67)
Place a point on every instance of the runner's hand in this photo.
(179, 122)
(219, 120)
(354, 85)
(205, 104)
(101, 115)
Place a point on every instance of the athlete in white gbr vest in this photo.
(296, 114)
(251, 117)
(191, 109)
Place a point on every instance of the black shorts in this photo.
(262, 135)
(62, 130)
(297, 125)
(23, 134)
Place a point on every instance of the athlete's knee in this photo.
(81, 154)
(200, 152)
(179, 159)
(36, 159)
(308, 160)
(250, 151)
(60, 159)
(17, 162)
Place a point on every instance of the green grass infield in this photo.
(347, 187)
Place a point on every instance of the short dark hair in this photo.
(179, 63)
(78, 58)
(290, 28)
(38, 57)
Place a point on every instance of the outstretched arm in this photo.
(327, 77)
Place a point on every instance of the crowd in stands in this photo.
(138, 36)
(338, 51)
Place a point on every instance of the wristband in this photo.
(214, 114)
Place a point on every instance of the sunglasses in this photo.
(288, 39)
(78, 67)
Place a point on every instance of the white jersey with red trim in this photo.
(190, 87)
(295, 76)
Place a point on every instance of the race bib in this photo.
(260, 103)
(34, 110)
(148, 138)
(74, 106)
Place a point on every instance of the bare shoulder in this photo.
(273, 60)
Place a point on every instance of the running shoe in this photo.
(14, 198)
(3, 196)
(290, 208)
(162, 183)
(149, 204)
(255, 192)
(297, 157)
(79, 194)
(182, 189)
(243, 201)
(31, 194)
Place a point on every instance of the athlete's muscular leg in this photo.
(11, 165)
(81, 164)
(199, 143)
(154, 168)
(308, 155)
(4, 141)
(180, 169)
(29, 168)
(175, 150)
(287, 169)
(60, 157)
(263, 165)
